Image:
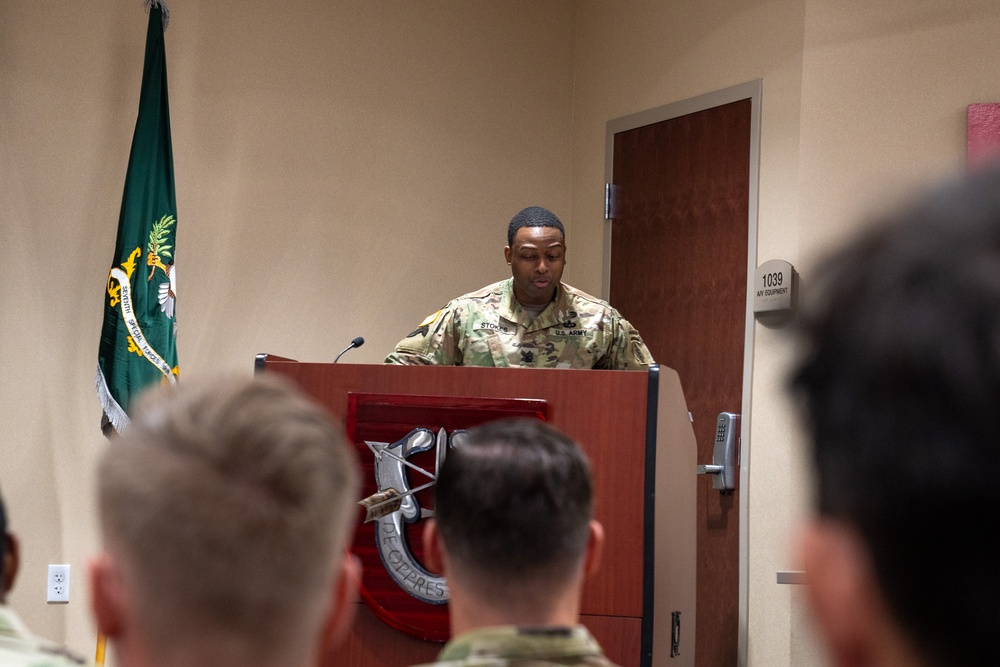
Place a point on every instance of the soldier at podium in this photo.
(515, 536)
(531, 319)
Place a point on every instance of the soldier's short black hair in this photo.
(513, 502)
(533, 216)
(900, 378)
(3, 537)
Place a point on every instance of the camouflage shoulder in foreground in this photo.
(20, 648)
(511, 646)
(489, 328)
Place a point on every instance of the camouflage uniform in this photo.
(490, 328)
(19, 648)
(509, 646)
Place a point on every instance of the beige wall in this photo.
(346, 167)
(343, 168)
(861, 102)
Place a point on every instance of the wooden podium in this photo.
(634, 427)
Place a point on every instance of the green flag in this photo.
(137, 341)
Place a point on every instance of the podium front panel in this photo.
(604, 411)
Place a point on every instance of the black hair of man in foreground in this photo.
(515, 536)
(901, 384)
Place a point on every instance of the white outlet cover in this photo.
(57, 591)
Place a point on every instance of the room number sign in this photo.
(773, 287)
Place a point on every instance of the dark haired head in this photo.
(8, 555)
(533, 216)
(901, 381)
(3, 538)
(514, 502)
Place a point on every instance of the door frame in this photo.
(750, 90)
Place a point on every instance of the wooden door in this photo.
(679, 258)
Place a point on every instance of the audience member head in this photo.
(225, 509)
(900, 377)
(513, 528)
(533, 216)
(8, 555)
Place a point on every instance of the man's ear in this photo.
(11, 561)
(595, 548)
(842, 591)
(507, 254)
(433, 550)
(338, 621)
(107, 595)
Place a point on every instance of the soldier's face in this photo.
(536, 261)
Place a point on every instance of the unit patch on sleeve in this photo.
(424, 326)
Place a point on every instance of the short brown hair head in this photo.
(513, 503)
(228, 504)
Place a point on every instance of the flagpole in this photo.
(102, 643)
(138, 338)
(164, 10)
(158, 153)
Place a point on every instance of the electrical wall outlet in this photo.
(58, 588)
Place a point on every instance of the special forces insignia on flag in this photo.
(156, 251)
(121, 292)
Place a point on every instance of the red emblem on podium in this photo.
(401, 441)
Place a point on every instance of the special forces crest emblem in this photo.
(396, 503)
(402, 442)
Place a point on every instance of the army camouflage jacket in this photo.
(490, 328)
(20, 648)
(510, 646)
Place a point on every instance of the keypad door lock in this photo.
(727, 442)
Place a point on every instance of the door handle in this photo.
(723, 466)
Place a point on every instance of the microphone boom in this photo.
(357, 342)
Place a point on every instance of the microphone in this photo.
(357, 342)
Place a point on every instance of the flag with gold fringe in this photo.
(138, 339)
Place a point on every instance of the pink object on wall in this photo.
(983, 139)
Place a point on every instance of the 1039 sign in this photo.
(773, 287)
